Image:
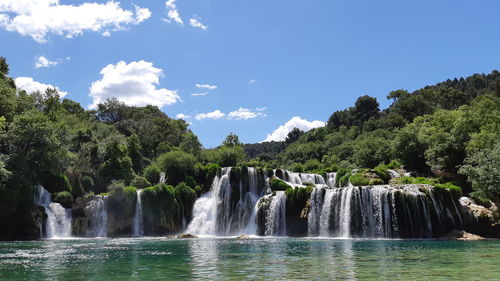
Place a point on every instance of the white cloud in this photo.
(30, 86)
(206, 86)
(182, 116)
(216, 114)
(261, 108)
(199, 94)
(42, 61)
(194, 22)
(252, 81)
(173, 13)
(244, 113)
(38, 18)
(134, 84)
(296, 122)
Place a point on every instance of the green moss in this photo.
(359, 180)
(87, 183)
(186, 197)
(455, 190)
(394, 164)
(278, 185)
(161, 209)
(297, 167)
(121, 208)
(296, 199)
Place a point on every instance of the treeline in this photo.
(73, 152)
(448, 132)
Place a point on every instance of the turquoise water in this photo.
(266, 258)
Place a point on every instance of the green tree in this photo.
(117, 164)
(177, 165)
(134, 152)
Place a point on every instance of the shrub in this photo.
(140, 182)
(64, 198)
(382, 172)
(87, 183)
(313, 165)
(340, 173)
(344, 181)
(359, 180)
(57, 183)
(297, 167)
(394, 164)
(190, 181)
(455, 190)
(278, 185)
(152, 173)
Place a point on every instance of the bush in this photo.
(455, 190)
(312, 165)
(341, 173)
(382, 172)
(57, 183)
(87, 183)
(344, 180)
(394, 164)
(140, 182)
(359, 180)
(297, 167)
(177, 165)
(64, 198)
(278, 185)
(152, 173)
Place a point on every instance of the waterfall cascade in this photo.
(244, 204)
(58, 223)
(229, 207)
(138, 226)
(96, 212)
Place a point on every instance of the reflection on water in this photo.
(256, 258)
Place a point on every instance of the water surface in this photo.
(256, 258)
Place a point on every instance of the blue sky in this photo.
(269, 60)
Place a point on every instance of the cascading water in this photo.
(276, 216)
(229, 207)
(96, 212)
(138, 225)
(376, 211)
(58, 223)
(240, 202)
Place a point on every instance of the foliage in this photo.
(152, 173)
(177, 165)
(64, 198)
(140, 182)
(161, 209)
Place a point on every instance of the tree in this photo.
(177, 165)
(231, 140)
(365, 108)
(293, 135)
(117, 164)
(134, 152)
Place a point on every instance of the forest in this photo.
(446, 135)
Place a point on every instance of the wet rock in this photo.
(463, 236)
(186, 236)
(243, 237)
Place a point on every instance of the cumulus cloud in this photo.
(30, 86)
(199, 94)
(194, 22)
(42, 61)
(216, 114)
(172, 12)
(206, 86)
(133, 83)
(296, 122)
(244, 113)
(38, 18)
(182, 116)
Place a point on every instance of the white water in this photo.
(275, 218)
(97, 214)
(58, 223)
(138, 225)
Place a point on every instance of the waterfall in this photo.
(58, 223)
(331, 179)
(317, 196)
(96, 212)
(138, 227)
(162, 178)
(229, 207)
(275, 218)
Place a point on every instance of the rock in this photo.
(463, 236)
(186, 236)
(243, 237)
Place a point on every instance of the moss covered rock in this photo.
(278, 185)
(160, 209)
(121, 209)
(64, 198)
